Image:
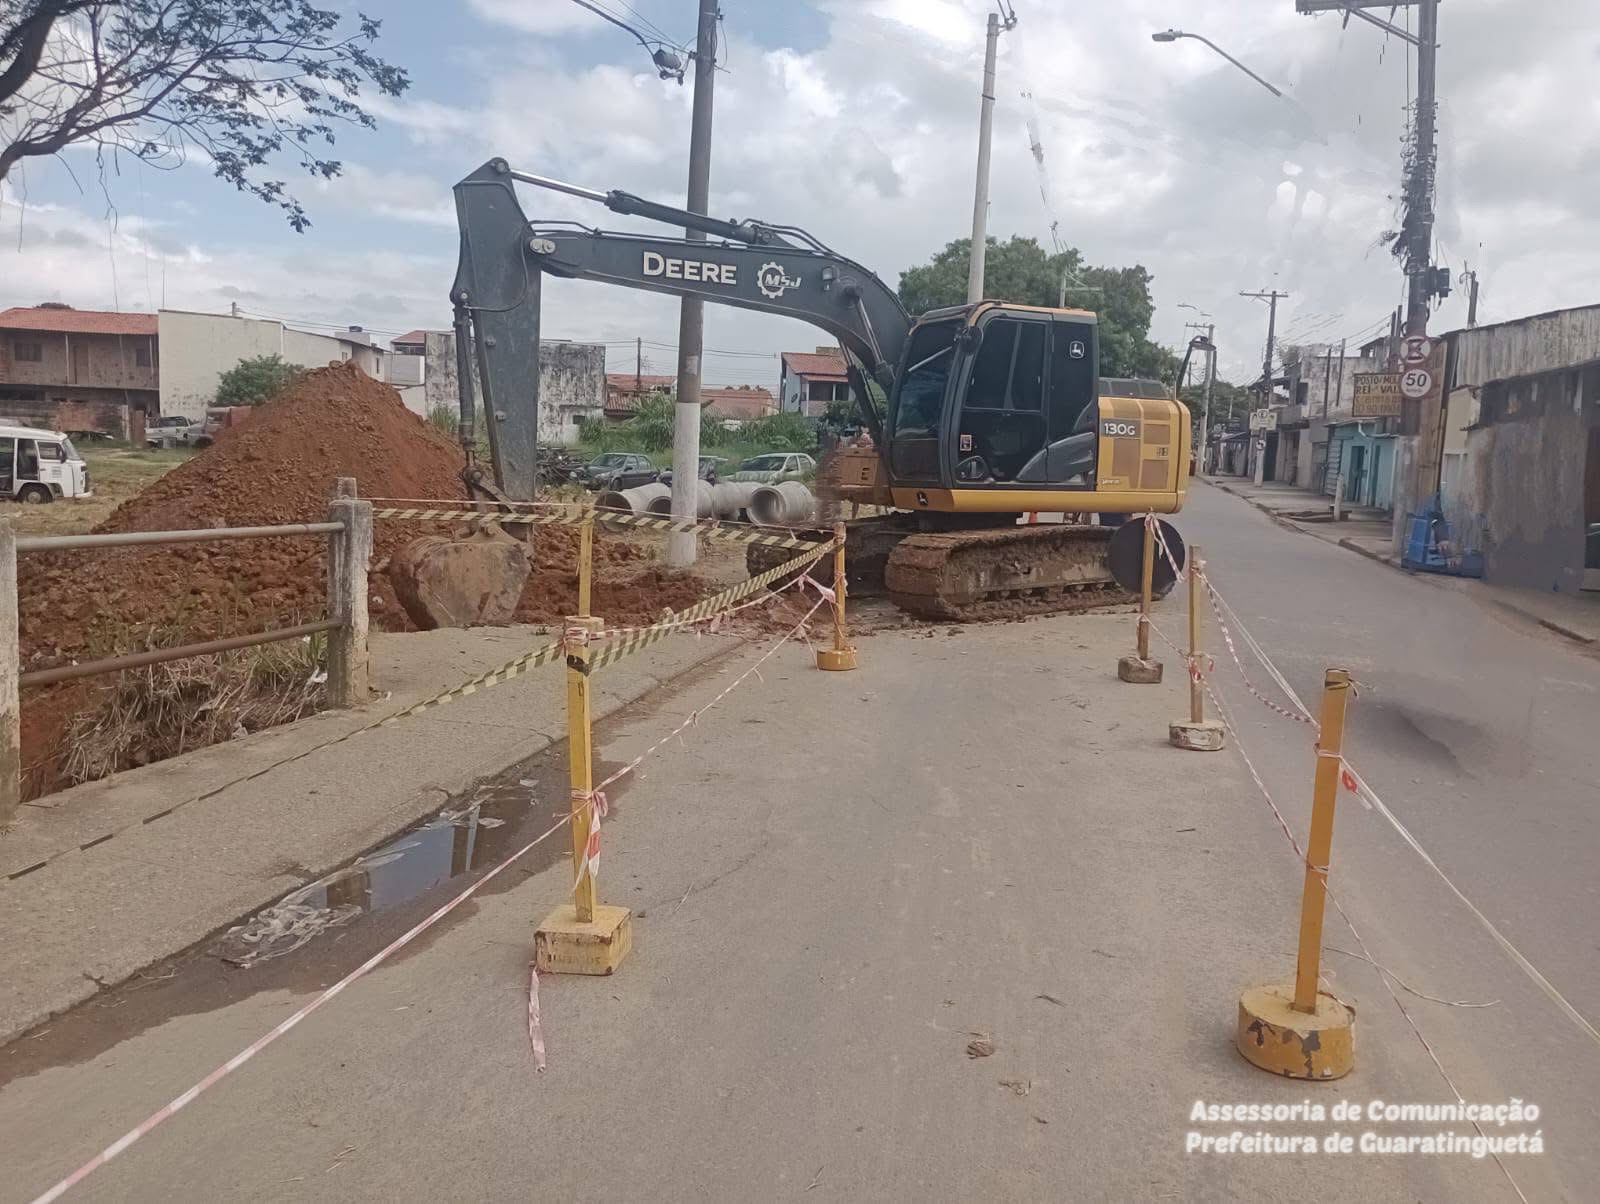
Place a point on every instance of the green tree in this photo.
(233, 83)
(1021, 271)
(253, 381)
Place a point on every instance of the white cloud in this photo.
(1159, 154)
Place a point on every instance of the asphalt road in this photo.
(842, 880)
(1481, 732)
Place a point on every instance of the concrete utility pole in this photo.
(1272, 297)
(682, 546)
(1472, 297)
(1419, 189)
(998, 22)
(1211, 381)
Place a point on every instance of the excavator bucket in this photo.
(472, 581)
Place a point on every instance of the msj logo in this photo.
(773, 281)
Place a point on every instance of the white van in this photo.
(40, 466)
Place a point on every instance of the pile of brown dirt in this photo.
(280, 466)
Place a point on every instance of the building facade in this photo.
(742, 404)
(197, 348)
(78, 370)
(572, 384)
(808, 381)
(1520, 472)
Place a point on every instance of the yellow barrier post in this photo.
(583, 936)
(1139, 669)
(1303, 1032)
(842, 656)
(1197, 733)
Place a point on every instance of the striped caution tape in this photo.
(578, 516)
(615, 650)
(513, 668)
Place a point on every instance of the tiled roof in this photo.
(816, 367)
(626, 381)
(416, 336)
(76, 321)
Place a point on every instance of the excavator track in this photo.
(868, 544)
(1003, 573)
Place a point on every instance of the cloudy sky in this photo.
(857, 119)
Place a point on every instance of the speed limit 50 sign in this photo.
(1416, 383)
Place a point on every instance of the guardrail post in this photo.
(10, 668)
(1197, 733)
(1139, 669)
(583, 936)
(842, 656)
(349, 557)
(1301, 1031)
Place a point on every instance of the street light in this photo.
(1172, 35)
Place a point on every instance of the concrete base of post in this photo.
(836, 660)
(1206, 736)
(1139, 672)
(1282, 1041)
(564, 944)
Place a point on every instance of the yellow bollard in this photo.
(842, 656)
(1303, 1032)
(1139, 669)
(583, 936)
(1197, 733)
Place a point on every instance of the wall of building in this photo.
(572, 384)
(1527, 346)
(196, 349)
(1521, 487)
(93, 361)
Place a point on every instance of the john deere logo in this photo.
(774, 282)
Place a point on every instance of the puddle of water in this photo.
(463, 837)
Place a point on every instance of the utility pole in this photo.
(1419, 191)
(1472, 297)
(998, 22)
(638, 367)
(683, 545)
(1272, 297)
(1211, 382)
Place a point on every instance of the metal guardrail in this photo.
(119, 539)
(158, 656)
(349, 534)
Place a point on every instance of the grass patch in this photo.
(149, 714)
(117, 472)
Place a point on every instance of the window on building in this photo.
(27, 351)
(141, 355)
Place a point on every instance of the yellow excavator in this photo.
(978, 414)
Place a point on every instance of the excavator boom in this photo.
(771, 269)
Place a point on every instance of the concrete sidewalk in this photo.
(1370, 533)
(108, 878)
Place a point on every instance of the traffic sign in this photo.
(1416, 383)
(1415, 349)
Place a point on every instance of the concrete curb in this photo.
(34, 1000)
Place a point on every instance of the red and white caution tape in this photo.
(188, 1097)
(1353, 780)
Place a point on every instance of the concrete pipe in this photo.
(702, 509)
(633, 501)
(731, 498)
(786, 504)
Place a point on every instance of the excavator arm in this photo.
(778, 270)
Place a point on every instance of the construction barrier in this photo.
(584, 935)
(1139, 669)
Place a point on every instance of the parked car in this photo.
(616, 470)
(775, 466)
(40, 466)
(166, 429)
(710, 466)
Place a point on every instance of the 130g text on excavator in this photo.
(978, 413)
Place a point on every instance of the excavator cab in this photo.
(996, 405)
